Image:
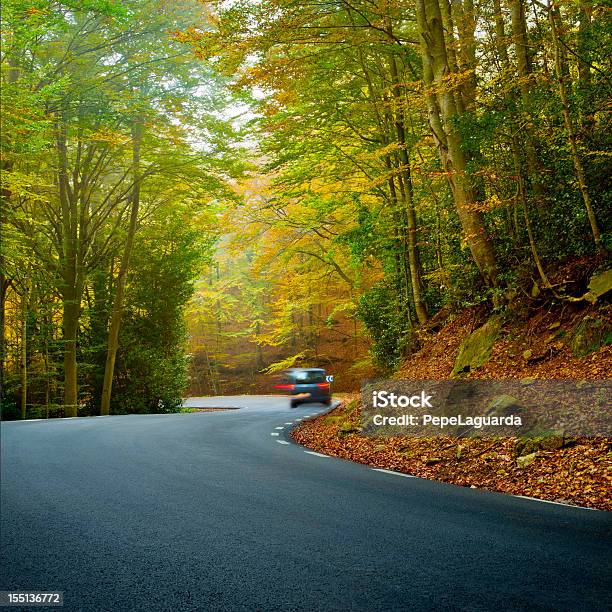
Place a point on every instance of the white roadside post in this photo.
(330, 379)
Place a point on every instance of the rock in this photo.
(504, 405)
(547, 441)
(527, 381)
(379, 448)
(476, 349)
(432, 460)
(523, 462)
(554, 325)
(599, 285)
(535, 290)
(346, 429)
(588, 336)
(459, 452)
(527, 354)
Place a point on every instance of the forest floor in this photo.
(533, 344)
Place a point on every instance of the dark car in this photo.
(306, 385)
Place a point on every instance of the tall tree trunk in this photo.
(561, 71)
(442, 115)
(5, 282)
(407, 195)
(115, 323)
(463, 17)
(71, 283)
(23, 353)
(258, 348)
(515, 147)
(4, 285)
(401, 264)
(449, 31)
(523, 64)
(70, 323)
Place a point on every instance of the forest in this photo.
(198, 194)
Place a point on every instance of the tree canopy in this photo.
(196, 193)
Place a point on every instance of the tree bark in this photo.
(115, 323)
(561, 70)
(71, 288)
(4, 285)
(442, 113)
(523, 64)
(449, 30)
(23, 353)
(408, 196)
(502, 51)
(464, 19)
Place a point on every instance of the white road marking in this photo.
(317, 454)
(282, 442)
(550, 501)
(274, 434)
(289, 423)
(392, 472)
(279, 428)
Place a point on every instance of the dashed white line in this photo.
(317, 454)
(392, 472)
(289, 423)
(282, 442)
(279, 428)
(274, 434)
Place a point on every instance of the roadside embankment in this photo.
(566, 342)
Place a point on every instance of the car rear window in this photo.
(309, 377)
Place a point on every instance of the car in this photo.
(306, 385)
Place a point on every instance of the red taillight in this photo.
(323, 385)
(285, 387)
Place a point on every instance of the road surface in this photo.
(220, 511)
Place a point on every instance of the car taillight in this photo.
(323, 385)
(285, 387)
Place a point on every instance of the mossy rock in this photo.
(504, 405)
(348, 429)
(546, 441)
(476, 349)
(590, 334)
(599, 285)
(524, 461)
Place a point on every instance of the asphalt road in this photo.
(209, 511)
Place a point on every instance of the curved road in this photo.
(209, 511)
